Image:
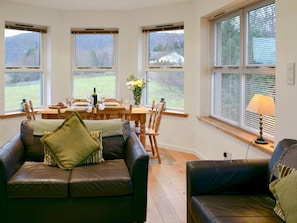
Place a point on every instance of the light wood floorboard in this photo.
(167, 187)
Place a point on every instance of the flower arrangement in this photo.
(136, 86)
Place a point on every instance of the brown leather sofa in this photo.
(235, 191)
(112, 191)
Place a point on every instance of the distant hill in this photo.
(21, 50)
(17, 48)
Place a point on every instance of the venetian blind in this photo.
(244, 64)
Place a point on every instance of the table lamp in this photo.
(262, 105)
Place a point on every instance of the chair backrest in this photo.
(157, 117)
(32, 109)
(152, 115)
(84, 114)
(27, 110)
(28, 107)
(113, 112)
(120, 101)
(79, 100)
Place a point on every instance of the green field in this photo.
(83, 86)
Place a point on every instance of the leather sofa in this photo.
(112, 191)
(235, 191)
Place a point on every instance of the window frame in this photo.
(158, 68)
(29, 69)
(244, 68)
(95, 69)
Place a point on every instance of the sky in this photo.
(13, 32)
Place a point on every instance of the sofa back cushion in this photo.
(286, 153)
(113, 141)
(32, 143)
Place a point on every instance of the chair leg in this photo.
(157, 149)
(152, 145)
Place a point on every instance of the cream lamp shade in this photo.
(261, 104)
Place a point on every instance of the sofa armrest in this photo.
(227, 177)
(137, 160)
(11, 158)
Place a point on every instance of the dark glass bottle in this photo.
(163, 101)
(22, 105)
(94, 95)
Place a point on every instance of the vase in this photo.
(137, 99)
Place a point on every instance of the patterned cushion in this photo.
(283, 171)
(288, 158)
(95, 157)
(71, 143)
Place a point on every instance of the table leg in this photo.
(142, 133)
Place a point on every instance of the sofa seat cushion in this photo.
(233, 208)
(37, 180)
(111, 178)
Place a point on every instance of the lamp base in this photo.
(261, 141)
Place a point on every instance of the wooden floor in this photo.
(167, 188)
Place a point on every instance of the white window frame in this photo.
(98, 69)
(27, 69)
(151, 68)
(242, 69)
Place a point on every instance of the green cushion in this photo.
(95, 157)
(71, 143)
(285, 191)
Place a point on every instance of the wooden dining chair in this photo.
(152, 129)
(120, 101)
(113, 112)
(151, 118)
(28, 107)
(84, 114)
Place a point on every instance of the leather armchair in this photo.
(229, 191)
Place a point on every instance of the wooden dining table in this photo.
(138, 115)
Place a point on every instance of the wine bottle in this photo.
(94, 95)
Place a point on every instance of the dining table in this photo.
(138, 115)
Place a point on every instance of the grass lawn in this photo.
(83, 87)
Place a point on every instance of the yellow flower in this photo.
(138, 83)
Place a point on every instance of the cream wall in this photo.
(184, 134)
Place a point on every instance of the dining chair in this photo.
(84, 114)
(120, 101)
(113, 112)
(32, 109)
(79, 100)
(28, 107)
(152, 130)
(151, 119)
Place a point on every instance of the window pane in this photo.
(168, 85)
(259, 84)
(227, 96)
(23, 85)
(84, 82)
(166, 48)
(94, 50)
(228, 42)
(22, 48)
(261, 35)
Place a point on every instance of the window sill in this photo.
(175, 113)
(12, 115)
(238, 133)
